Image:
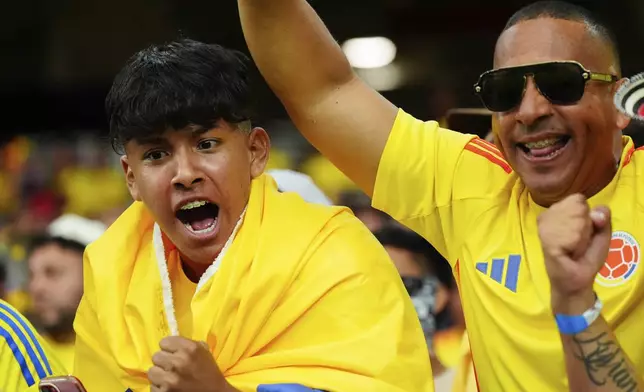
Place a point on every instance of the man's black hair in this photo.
(175, 85)
(63, 243)
(571, 12)
(395, 236)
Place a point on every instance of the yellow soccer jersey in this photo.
(458, 192)
(24, 358)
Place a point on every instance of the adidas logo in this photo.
(500, 268)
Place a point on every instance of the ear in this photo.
(259, 145)
(621, 119)
(129, 178)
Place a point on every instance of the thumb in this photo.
(597, 251)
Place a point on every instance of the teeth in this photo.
(194, 204)
(543, 143)
(204, 231)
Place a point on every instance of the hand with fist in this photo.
(185, 365)
(575, 242)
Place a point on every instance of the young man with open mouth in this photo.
(213, 280)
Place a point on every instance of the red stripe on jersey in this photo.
(489, 156)
(629, 155)
(486, 146)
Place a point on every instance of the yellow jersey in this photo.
(24, 358)
(64, 352)
(458, 192)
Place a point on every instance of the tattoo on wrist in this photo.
(604, 361)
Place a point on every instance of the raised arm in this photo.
(338, 113)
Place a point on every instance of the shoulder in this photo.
(346, 244)
(23, 347)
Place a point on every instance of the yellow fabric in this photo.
(447, 346)
(304, 295)
(458, 194)
(64, 352)
(465, 378)
(25, 358)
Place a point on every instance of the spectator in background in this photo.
(428, 279)
(55, 264)
(360, 204)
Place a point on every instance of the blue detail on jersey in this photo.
(497, 270)
(29, 346)
(498, 266)
(284, 388)
(20, 359)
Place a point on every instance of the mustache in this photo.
(542, 124)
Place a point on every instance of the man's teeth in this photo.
(543, 143)
(203, 231)
(194, 204)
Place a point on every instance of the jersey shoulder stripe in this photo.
(21, 338)
(488, 151)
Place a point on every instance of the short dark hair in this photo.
(566, 11)
(174, 85)
(396, 236)
(40, 241)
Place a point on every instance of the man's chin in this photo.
(548, 189)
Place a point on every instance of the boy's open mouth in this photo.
(200, 216)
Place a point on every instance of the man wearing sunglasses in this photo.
(535, 323)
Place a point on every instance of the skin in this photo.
(217, 164)
(56, 287)
(575, 242)
(594, 124)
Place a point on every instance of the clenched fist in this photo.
(575, 242)
(185, 365)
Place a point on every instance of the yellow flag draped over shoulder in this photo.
(304, 295)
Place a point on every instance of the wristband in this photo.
(572, 325)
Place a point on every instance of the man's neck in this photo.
(59, 337)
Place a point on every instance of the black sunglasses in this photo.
(561, 82)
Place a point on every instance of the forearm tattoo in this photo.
(604, 361)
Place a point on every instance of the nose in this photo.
(187, 173)
(534, 106)
(37, 286)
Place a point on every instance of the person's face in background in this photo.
(56, 288)
(409, 264)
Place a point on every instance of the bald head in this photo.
(577, 23)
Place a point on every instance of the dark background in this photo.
(59, 56)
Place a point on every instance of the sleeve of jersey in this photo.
(24, 359)
(425, 169)
(415, 181)
(93, 364)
